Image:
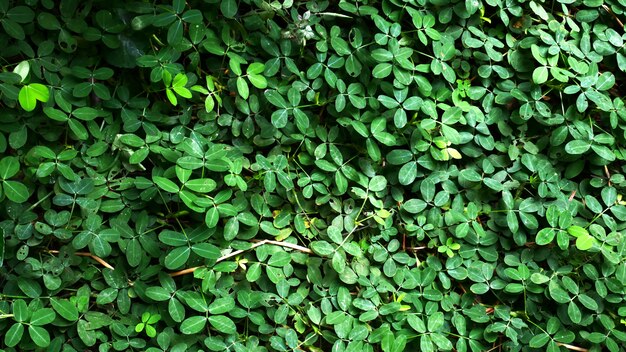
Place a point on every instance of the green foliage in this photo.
(344, 175)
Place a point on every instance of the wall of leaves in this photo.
(352, 175)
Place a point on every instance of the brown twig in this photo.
(237, 252)
(185, 271)
(87, 254)
(415, 249)
(571, 196)
(607, 9)
(494, 348)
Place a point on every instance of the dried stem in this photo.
(573, 348)
(237, 252)
(607, 9)
(415, 249)
(87, 254)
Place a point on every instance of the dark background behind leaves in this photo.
(446, 175)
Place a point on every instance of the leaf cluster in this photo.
(255, 175)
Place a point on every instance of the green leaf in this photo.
(79, 130)
(229, 8)
(13, 29)
(42, 316)
(603, 152)
(175, 33)
(65, 308)
(171, 238)
(9, 167)
(211, 217)
(577, 231)
(577, 147)
(193, 325)
(206, 250)
(222, 305)
(451, 134)
(605, 81)
(408, 173)
(21, 14)
(545, 236)
(254, 272)
(22, 69)
(223, 324)
(585, 242)
(377, 183)
(539, 340)
(158, 293)
(15, 191)
(193, 16)
(177, 257)
(55, 114)
(382, 70)
(165, 184)
(242, 88)
(574, 312)
(169, 93)
(258, 81)
(540, 75)
(40, 336)
(201, 185)
(280, 118)
(322, 248)
(30, 94)
(231, 229)
(13, 336)
(275, 98)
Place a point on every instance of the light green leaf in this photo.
(22, 69)
(242, 88)
(585, 242)
(30, 94)
(258, 81)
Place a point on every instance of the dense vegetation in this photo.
(250, 175)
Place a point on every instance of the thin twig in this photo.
(573, 348)
(237, 252)
(415, 249)
(614, 16)
(494, 348)
(87, 254)
(288, 245)
(185, 271)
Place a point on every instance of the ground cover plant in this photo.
(255, 175)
